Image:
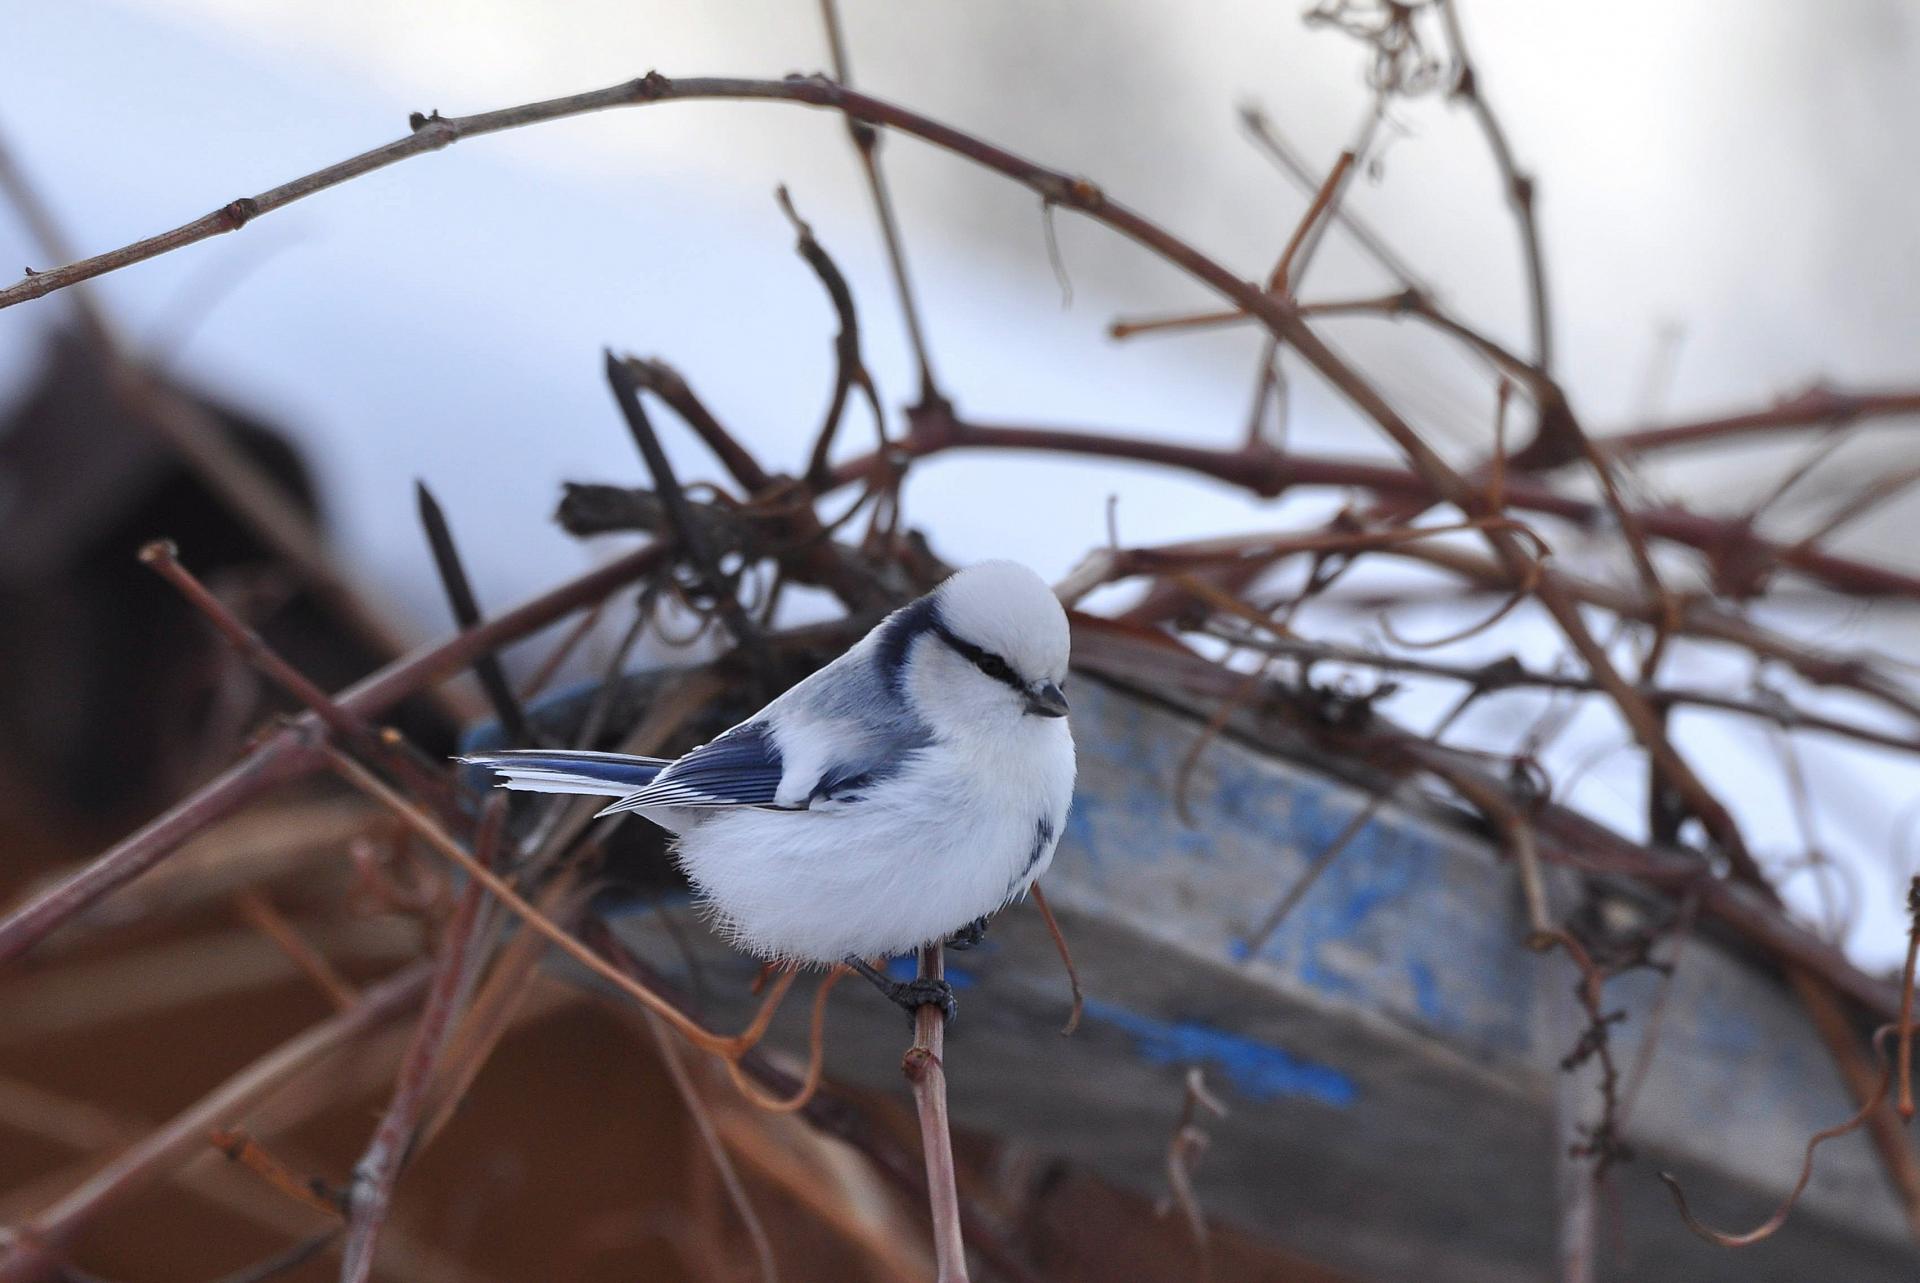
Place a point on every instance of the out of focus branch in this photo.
(293, 751)
(33, 1255)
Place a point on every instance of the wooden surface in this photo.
(1390, 1058)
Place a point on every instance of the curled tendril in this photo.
(1771, 1226)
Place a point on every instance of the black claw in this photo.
(910, 995)
(970, 935)
(925, 992)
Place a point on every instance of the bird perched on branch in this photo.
(899, 795)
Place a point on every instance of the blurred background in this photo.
(1725, 199)
(1723, 209)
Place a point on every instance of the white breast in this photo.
(956, 834)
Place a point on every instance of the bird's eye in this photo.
(996, 668)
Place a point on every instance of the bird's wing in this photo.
(740, 768)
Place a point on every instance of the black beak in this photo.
(1048, 701)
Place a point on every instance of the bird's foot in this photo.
(911, 995)
(970, 935)
(925, 992)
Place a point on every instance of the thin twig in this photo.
(33, 1253)
(689, 536)
(164, 559)
(254, 906)
(850, 369)
(702, 1117)
(293, 751)
(436, 837)
(256, 1158)
(1771, 1226)
(926, 1071)
(379, 1167)
(866, 142)
(1066, 959)
(466, 613)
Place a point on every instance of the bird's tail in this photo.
(570, 771)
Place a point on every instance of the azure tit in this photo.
(904, 792)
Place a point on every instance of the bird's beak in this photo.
(1046, 701)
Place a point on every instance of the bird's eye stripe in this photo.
(984, 660)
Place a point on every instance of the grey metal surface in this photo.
(1390, 1058)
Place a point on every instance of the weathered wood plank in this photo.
(1390, 1057)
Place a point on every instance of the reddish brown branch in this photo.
(392, 1143)
(34, 1253)
(1817, 407)
(1769, 1227)
(164, 558)
(927, 1072)
(294, 751)
(1066, 960)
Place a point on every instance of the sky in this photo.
(1726, 198)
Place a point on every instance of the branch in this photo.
(293, 751)
(392, 1143)
(927, 1072)
(1564, 835)
(33, 1255)
(867, 143)
(466, 613)
(1817, 407)
(1267, 472)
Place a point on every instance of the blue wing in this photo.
(740, 768)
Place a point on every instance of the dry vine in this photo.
(1497, 537)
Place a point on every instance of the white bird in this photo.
(901, 794)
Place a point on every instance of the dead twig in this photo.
(293, 751)
(926, 1071)
(1185, 1148)
(379, 1167)
(33, 1254)
(1771, 1226)
(258, 911)
(466, 613)
(850, 369)
(1066, 959)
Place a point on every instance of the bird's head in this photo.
(986, 647)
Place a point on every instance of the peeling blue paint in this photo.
(1255, 1069)
(906, 967)
(1426, 994)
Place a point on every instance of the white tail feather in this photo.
(527, 779)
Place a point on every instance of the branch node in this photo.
(238, 213)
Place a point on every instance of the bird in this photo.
(899, 796)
